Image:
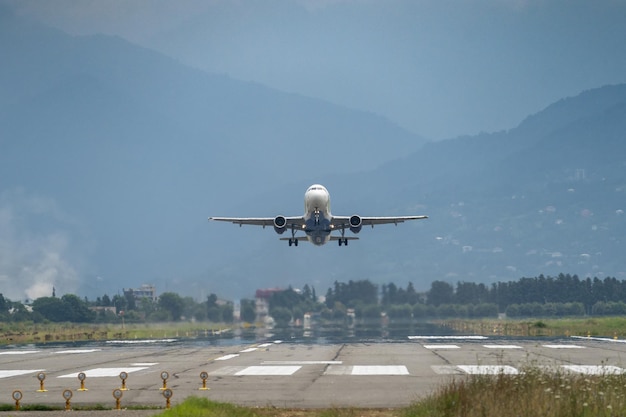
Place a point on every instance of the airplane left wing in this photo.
(344, 222)
(290, 222)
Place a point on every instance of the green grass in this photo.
(532, 393)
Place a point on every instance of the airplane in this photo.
(317, 222)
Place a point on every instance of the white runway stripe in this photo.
(595, 370)
(488, 369)
(370, 370)
(380, 370)
(16, 372)
(78, 351)
(227, 357)
(435, 347)
(563, 346)
(18, 352)
(268, 370)
(252, 349)
(105, 372)
(502, 346)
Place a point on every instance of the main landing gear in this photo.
(343, 240)
(293, 240)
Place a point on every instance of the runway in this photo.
(300, 374)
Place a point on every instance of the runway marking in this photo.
(563, 346)
(301, 363)
(359, 370)
(446, 369)
(435, 347)
(265, 345)
(78, 351)
(448, 337)
(105, 372)
(227, 357)
(227, 370)
(18, 352)
(17, 372)
(268, 370)
(252, 349)
(502, 346)
(144, 364)
(380, 370)
(595, 370)
(488, 369)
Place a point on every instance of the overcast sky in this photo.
(440, 68)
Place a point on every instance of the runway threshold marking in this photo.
(595, 370)
(227, 357)
(502, 346)
(435, 347)
(488, 369)
(105, 372)
(17, 372)
(370, 370)
(563, 346)
(268, 370)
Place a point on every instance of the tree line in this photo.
(563, 295)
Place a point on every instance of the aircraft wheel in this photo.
(295, 242)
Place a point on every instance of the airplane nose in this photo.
(316, 199)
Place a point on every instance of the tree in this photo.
(440, 293)
(51, 308)
(281, 315)
(77, 309)
(248, 310)
(173, 304)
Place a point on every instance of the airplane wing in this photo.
(291, 222)
(343, 222)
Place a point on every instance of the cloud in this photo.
(35, 247)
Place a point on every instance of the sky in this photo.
(439, 68)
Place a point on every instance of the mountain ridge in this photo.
(117, 155)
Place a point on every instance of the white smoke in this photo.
(35, 253)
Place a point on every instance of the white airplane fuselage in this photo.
(317, 215)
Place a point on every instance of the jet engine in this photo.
(280, 223)
(355, 224)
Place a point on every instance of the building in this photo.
(262, 302)
(145, 291)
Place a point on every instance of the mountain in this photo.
(131, 151)
(112, 157)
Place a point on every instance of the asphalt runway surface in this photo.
(294, 374)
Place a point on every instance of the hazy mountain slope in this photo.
(138, 150)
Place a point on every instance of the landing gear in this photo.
(343, 240)
(293, 240)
